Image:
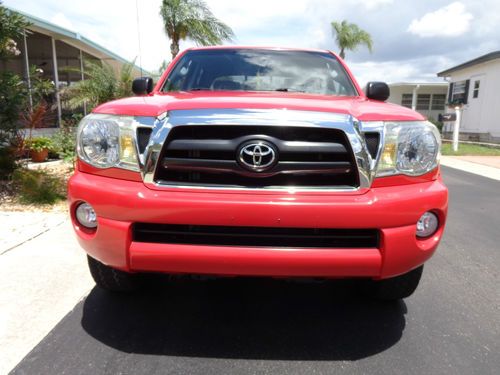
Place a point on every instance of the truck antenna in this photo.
(138, 34)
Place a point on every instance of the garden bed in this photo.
(58, 173)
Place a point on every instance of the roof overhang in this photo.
(420, 84)
(481, 59)
(76, 40)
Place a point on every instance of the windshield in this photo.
(260, 70)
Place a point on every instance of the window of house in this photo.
(458, 93)
(406, 100)
(423, 102)
(475, 93)
(438, 101)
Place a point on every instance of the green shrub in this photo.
(64, 143)
(37, 186)
(437, 123)
(71, 120)
(39, 144)
(7, 162)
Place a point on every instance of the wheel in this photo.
(111, 279)
(398, 287)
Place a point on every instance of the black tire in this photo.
(111, 279)
(398, 287)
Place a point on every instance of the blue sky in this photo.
(413, 40)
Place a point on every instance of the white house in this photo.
(53, 49)
(475, 83)
(427, 98)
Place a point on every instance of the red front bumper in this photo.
(394, 210)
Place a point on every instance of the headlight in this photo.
(410, 148)
(106, 141)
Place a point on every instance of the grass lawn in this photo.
(469, 149)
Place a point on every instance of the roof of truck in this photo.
(275, 48)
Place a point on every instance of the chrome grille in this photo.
(207, 155)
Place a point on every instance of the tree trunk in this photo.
(342, 53)
(174, 48)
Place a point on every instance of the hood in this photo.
(361, 108)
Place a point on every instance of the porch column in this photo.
(83, 79)
(414, 98)
(56, 81)
(27, 68)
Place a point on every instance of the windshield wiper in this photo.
(286, 89)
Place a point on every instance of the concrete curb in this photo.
(470, 167)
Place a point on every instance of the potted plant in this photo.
(39, 148)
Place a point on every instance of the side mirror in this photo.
(377, 91)
(142, 85)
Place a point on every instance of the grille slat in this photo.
(208, 155)
(231, 145)
(231, 166)
(201, 145)
(255, 236)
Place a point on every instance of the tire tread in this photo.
(398, 287)
(111, 279)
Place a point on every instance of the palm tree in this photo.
(192, 19)
(101, 84)
(349, 36)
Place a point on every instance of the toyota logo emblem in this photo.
(257, 156)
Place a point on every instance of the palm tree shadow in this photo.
(245, 319)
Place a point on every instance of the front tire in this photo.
(398, 287)
(111, 279)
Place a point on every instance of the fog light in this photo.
(86, 216)
(427, 225)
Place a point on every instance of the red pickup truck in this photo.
(263, 162)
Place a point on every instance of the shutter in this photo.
(450, 92)
(466, 96)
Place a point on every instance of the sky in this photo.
(412, 40)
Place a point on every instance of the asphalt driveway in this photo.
(450, 326)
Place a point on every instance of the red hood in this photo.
(361, 108)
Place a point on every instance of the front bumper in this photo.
(393, 210)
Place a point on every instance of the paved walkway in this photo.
(486, 166)
(43, 272)
(490, 161)
(20, 227)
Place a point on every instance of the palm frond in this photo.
(192, 19)
(349, 36)
(101, 84)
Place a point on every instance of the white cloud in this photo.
(388, 71)
(61, 20)
(374, 4)
(412, 70)
(292, 23)
(244, 15)
(449, 21)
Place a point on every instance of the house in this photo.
(52, 49)
(427, 98)
(475, 84)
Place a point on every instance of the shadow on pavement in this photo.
(245, 319)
